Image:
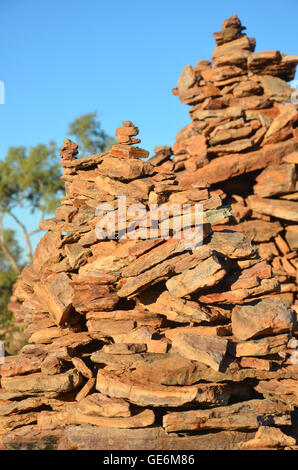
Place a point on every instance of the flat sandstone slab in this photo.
(229, 166)
(210, 350)
(58, 383)
(149, 394)
(287, 210)
(242, 416)
(88, 437)
(266, 317)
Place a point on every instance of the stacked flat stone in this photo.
(126, 132)
(243, 140)
(125, 349)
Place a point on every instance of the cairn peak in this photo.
(69, 150)
(126, 138)
(231, 29)
(126, 133)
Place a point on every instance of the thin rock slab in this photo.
(141, 420)
(256, 363)
(187, 79)
(134, 285)
(219, 330)
(89, 437)
(124, 348)
(147, 394)
(240, 416)
(59, 383)
(209, 350)
(261, 318)
(47, 251)
(140, 316)
(176, 309)
(285, 391)
(19, 365)
(101, 405)
(236, 296)
(154, 256)
(142, 334)
(25, 405)
(56, 296)
(250, 277)
(52, 365)
(268, 437)
(81, 367)
(32, 437)
(84, 162)
(93, 297)
(115, 361)
(86, 389)
(287, 210)
(231, 244)
(8, 423)
(46, 335)
(233, 372)
(292, 236)
(229, 166)
(164, 369)
(110, 327)
(153, 438)
(11, 395)
(282, 123)
(208, 273)
(259, 347)
(276, 180)
(125, 169)
(256, 230)
(72, 340)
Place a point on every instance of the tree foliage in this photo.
(7, 280)
(88, 134)
(30, 181)
(10, 241)
(7, 275)
(30, 178)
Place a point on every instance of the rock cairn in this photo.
(243, 139)
(125, 349)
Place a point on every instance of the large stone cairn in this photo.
(127, 348)
(243, 139)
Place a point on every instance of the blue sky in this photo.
(61, 59)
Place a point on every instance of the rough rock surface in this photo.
(243, 109)
(154, 341)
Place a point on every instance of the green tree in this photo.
(7, 274)
(7, 280)
(87, 133)
(10, 241)
(30, 180)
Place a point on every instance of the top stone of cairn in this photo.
(126, 133)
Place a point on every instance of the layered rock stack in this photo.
(126, 351)
(243, 139)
